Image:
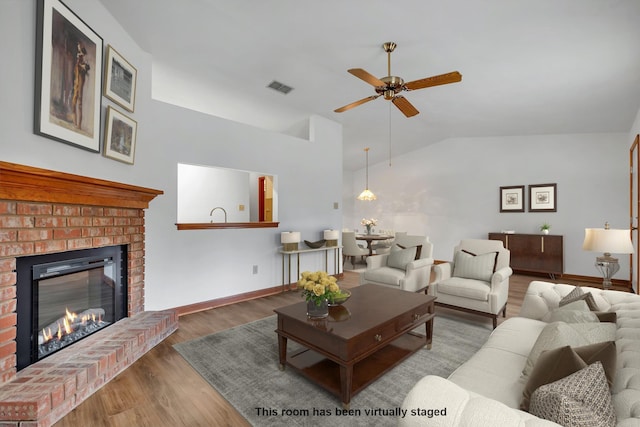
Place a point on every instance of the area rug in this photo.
(241, 363)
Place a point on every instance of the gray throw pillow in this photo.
(470, 266)
(580, 399)
(574, 312)
(400, 259)
(578, 294)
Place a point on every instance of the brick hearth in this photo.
(42, 212)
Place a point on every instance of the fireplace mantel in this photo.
(19, 182)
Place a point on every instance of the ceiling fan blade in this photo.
(364, 75)
(355, 104)
(405, 106)
(442, 79)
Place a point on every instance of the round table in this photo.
(371, 238)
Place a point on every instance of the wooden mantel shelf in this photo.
(220, 225)
(19, 182)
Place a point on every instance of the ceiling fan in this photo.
(390, 86)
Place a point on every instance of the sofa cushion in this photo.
(580, 399)
(400, 258)
(578, 294)
(559, 334)
(471, 266)
(558, 363)
(387, 275)
(466, 288)
(574, 312)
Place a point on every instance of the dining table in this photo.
(370, 238)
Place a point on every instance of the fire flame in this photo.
(68, 323)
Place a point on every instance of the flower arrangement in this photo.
(318, 286)
(368, 223)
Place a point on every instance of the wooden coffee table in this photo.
(359, 341)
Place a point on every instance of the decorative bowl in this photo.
(315, 245)
(343, 298)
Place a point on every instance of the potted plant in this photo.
(545, 227)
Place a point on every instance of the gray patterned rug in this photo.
(242, 364)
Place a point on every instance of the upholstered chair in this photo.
(407, 266)
(476, 281)
(351, 249)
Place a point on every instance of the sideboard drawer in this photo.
(373, 338)
(414, 318)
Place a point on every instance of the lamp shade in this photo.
(610, 241)
(290, 237)
(331, 234)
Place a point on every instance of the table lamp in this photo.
(289, 240)
(331, 236)
(609, 241)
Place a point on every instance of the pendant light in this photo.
(367, 194)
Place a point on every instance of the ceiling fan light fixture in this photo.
(367, 195)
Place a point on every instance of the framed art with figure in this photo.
(119, 136)
(68, 77)
(543, 198)
(512, 198)
(120, 80)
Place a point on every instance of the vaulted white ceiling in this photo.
(528, 66)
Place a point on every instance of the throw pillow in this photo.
(578, 294)
(574, 312)
(553, 365)
(560, 334)
(418, 249)
(606, 316)
(581, 399)
(400, 259)
(469, 266)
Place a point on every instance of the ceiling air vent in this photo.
(282, 88)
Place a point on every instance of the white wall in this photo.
(450, 190)
(182, 267)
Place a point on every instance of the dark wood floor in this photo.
(161, 388)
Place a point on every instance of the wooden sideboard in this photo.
(534, 253)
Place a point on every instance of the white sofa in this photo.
(487, 389)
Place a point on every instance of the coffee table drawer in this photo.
(414, 318)
(373, 339)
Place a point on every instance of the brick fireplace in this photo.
(43, 212)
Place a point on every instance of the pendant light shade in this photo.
(367, 194)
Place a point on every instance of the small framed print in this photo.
(543, 198)
(512, 198)
(120, 80)
(119, 136)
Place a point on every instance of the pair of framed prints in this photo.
(69, 85)
(542, 198)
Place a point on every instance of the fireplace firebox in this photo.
(64, 297)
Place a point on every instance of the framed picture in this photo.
(119, 136)
(119, 80)
(543, 198)
(512, 198)
(68, 77)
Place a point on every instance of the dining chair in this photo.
(351, 249)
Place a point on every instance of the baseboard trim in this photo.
(221, 302)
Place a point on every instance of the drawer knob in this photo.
(378, 337)
(416, 316)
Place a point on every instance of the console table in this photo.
(286, 255)
(534, 253)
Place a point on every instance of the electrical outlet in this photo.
(255, 269)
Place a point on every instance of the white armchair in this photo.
(407, 266)
(477, 281)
